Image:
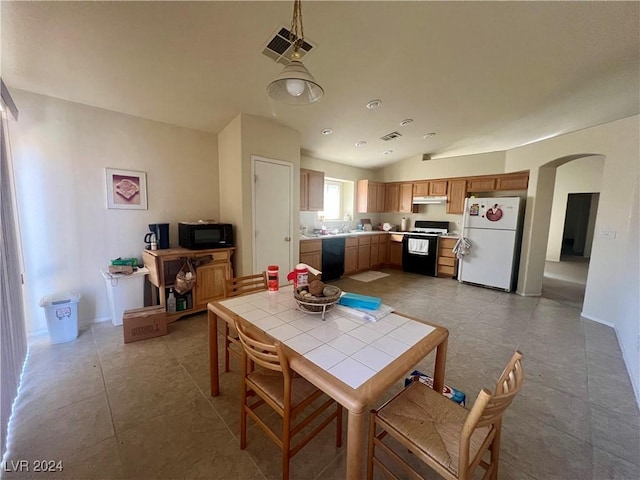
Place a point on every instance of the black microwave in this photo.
(204, 235)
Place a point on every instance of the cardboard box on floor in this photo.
(143, 323)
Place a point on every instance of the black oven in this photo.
(420, 247)
(420, 254)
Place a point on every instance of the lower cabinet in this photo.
(210, 281)
(164, 264)
(364, 252)
(311, 253)
(395, 251)
(447, 261)
(350, 255)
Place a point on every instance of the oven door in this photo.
(419, 254)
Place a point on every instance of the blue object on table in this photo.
(356, 300)
(449, 392)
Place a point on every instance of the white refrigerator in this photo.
(491, 225)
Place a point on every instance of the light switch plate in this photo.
(607, 233)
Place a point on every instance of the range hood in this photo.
(429, 200)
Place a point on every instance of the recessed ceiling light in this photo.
(373, 104)
(326, 131)
(406, 122)
(387, 152)
(427, 135)
(361, 143)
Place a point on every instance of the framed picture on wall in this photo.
(126, 189)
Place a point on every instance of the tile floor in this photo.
(142, 410)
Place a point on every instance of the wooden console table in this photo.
(164, 265)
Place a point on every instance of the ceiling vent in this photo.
(426, 156)
(391, 136)
(279, 48)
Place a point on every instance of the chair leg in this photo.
(286, 444)
(495, 454)
(372, 432)
(243, 406)
(226, 347)
(338, 425)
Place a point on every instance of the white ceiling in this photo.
(484, 76)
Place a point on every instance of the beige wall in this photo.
(611, 295)
(583, 175)
(415, 168)
(245, 136)
(60, 151)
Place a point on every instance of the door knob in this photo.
(287, 239)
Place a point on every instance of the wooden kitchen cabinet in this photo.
(210, 281)
(516, 181)
(481, 184)
(370, 196)
(406, 198)
(364, 252)
(164, 264)
(395, 250)
(311, 190)
(311, 253)
(375, 248)
(438, 188)
(447, 261)
(421, 189)
(350, 255)
(392, 197)
(383, 249)
(456, 193)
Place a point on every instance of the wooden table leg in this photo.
(355, 445)
(438, 369)
(213, 353)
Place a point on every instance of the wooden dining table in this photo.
(352, 360)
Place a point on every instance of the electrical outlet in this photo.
(607, 233)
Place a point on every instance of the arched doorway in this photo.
(538, 223)
(571, 229)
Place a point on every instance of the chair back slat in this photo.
(264, 354)
(245, 285)
(507, 387)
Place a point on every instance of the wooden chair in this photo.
(446, 436)
(285, 392)
(235, 287)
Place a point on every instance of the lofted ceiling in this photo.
(482, 76)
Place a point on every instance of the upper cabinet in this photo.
(513, 181)
(406, 198)
(456, 193)
(481, 184)
(421, 189)
(438, 188)
(398, 197)
(311, 190)
(371, 197)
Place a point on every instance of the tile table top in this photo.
(350, 348)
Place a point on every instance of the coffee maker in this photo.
(161, 233)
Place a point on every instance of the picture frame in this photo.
(126, 189)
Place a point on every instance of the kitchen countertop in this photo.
(359, 233)
(349, 234)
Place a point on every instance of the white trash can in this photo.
(61, 312)
(125, 292)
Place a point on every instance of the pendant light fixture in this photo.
(295, 85)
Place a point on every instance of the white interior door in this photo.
(273, 222)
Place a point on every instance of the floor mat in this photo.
(369, 276)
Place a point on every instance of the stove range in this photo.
(420, 247)
(429, 228)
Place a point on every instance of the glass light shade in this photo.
(295, 86)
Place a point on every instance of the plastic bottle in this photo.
(171, 302)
